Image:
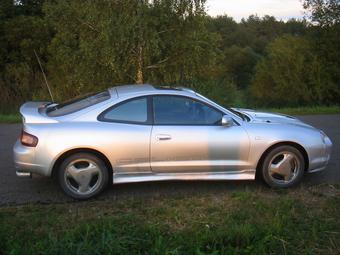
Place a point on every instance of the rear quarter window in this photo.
(77, 104)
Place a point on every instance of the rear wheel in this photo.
(283, 167)
(83, 175)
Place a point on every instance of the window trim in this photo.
(194, 99)
(149, 120)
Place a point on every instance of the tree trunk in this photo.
(139, 75)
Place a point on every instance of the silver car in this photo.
(141, 133)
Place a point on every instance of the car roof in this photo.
(127, 90)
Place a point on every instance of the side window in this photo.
(176, 110)
(131, 111)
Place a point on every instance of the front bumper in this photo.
(320, 163)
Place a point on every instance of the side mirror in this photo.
(227, 121)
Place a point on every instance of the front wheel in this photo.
(283, 167)
(83, 175)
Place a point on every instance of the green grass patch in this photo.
(306, 110)
(302, 221)
(10, 118)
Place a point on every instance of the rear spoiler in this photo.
(33, 112)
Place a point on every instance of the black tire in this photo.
(296, 165)
(85, 166)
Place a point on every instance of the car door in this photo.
(126, 128)
(187, 137)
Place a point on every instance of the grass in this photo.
(10, 118)
(16, 118)
(306, 110)
(300, 221)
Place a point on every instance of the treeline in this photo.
(87, 46)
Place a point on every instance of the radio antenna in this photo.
(42, 70)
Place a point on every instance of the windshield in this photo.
(77, 104)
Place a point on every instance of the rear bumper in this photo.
(24, 161)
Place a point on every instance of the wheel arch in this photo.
(68, 153)
(293, 144)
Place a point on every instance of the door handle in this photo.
(163, 137)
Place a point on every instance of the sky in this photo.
(238, 9)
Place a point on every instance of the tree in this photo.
(101, 43)
(86, 46)
(323, 12)
(291, 75)
(325, 38)
(22, 30)
(239, 64)
(262, 31)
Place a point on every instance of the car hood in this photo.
(271, 118)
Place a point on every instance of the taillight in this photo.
(28, 139)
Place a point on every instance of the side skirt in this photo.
(145, 177)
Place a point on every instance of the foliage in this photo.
(86, 46)
(111, 42)
(290, 74)
(238, 65)
(323, 12)
(20, 35)
(325, 38)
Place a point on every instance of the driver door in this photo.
(187, 137)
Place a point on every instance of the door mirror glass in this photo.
(227, 121)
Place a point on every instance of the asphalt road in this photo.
(14, 190)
